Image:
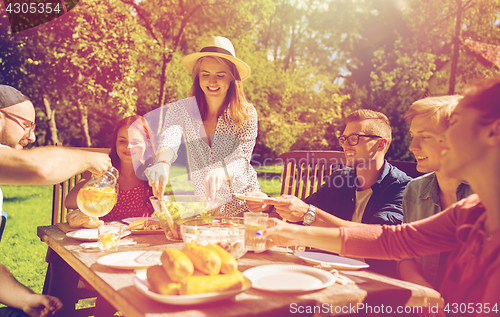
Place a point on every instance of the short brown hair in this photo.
(437, 108)
(378, 125)
(484, 96)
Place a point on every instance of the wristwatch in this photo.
(310, 216)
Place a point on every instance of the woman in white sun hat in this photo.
(218, 126)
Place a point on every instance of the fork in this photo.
(148, 257)
(341, 279)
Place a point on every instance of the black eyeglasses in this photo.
(14, 117)
(353, 139)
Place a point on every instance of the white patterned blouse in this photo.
(232, 147)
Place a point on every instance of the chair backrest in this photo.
(61, 190)
(305, 171)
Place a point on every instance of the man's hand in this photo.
(214, 179)
(99, 163)
(158, 178)
(291, 208)
(257, 206)
(280, 233)
(37, 305)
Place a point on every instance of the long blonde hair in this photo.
(239, 109)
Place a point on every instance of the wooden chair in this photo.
(57, 269)
(305, 171)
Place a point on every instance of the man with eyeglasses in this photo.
(40, 166)
(368, 191)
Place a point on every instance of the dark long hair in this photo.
(139, 123)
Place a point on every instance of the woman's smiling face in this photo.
(130, 145)
(425, 144)
(215, 78)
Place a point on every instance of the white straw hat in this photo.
(221, 47)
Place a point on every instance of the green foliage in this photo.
(312, 61)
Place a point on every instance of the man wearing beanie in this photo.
(40, 166)
(17, 118)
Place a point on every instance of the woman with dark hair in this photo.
(218, 126)
(468, 229)
(131, 152)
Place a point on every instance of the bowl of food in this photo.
(174, 210)
(227, 232)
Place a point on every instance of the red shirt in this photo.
(131, 203)
(473, 267)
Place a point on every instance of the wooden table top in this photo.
(118, 288)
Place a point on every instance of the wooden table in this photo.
(118, 288)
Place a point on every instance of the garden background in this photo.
(312, 61)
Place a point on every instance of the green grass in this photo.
(269, 179)
(20, 249)
(28, 207)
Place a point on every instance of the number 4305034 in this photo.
(32, 8)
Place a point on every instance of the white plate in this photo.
(132, 219)
(88, 234)
(252, 198)
(335, 261)
(141, 282)
(289, 278)
(126, 260)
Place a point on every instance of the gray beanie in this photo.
(10, 96)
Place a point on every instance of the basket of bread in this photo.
(194, 270)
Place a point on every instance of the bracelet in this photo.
(164, 162)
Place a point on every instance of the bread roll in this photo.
(177, 265)
(228, 262)
(208, 284)
(77, 219)
(160, 282)
(204, 259)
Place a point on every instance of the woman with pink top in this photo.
(468, 229)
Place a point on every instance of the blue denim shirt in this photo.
(421, 200)
(338, 196)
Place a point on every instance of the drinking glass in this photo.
(255, 222)
(109, 236)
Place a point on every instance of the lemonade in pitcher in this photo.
(96, 202)
(98, 196)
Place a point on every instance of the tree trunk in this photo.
(84, 121)
(291, 51)
(163, 84)
(51, 115)
(456, 48)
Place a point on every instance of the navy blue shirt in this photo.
(385, 206)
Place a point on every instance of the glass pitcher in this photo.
(98, 196)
